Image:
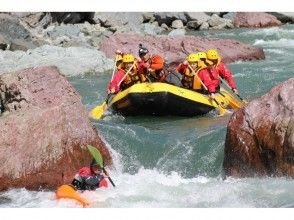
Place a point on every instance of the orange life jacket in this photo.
(190, 81)
(157, 62)
(133, 77)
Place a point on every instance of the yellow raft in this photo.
(69, 192)
(167, 99)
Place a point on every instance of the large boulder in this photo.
(175, 49)
(15, 33)
(255, 20)
(44, 130)
(260, 137)
(71, 61)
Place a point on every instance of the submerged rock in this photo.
(260, 137)
(175, 49)
(44, 130)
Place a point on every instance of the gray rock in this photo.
(169, 17)
(215, 20)
(132, 20)
(177, 24)
(177, 32)
(68, 30)
(219, 23)
(197, 16)
(194, 25)
(204, 26)
(152, 29)
(14, 32)
(71, 61)
(148, 17)
(164, 26)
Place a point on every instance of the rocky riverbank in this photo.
(77, 42)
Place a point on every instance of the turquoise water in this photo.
(177, 161)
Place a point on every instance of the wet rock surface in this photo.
(260, 137)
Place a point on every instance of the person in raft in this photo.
(216, 70)
(127, 76)
(90, 178)
(188, 69)
(151, 66)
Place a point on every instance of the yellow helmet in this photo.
(118, 57)
(192, 58)
(212, 55)
(201, 55)
(128, 58)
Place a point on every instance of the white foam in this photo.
(283, 42)
(276, 51)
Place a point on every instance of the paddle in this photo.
(99, 110)
(222, 111)
(98, 158)
(223, 81)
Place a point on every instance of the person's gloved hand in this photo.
(186, 62)
(118, 52)
(212, 95)
(112, 91)
(235, 91)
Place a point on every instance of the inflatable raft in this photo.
(167, 99)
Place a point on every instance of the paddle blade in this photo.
(98, 111)
(222, 111)
(96, 155)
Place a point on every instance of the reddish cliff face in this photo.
(260, 137)
(44, 130)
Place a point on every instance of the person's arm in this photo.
(182, 68)
(204, 76)
(113, 86)
(143, 67)
(225, 73)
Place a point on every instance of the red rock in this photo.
(44, 130)
(175, 49)
(260, 137)
(255, 20)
